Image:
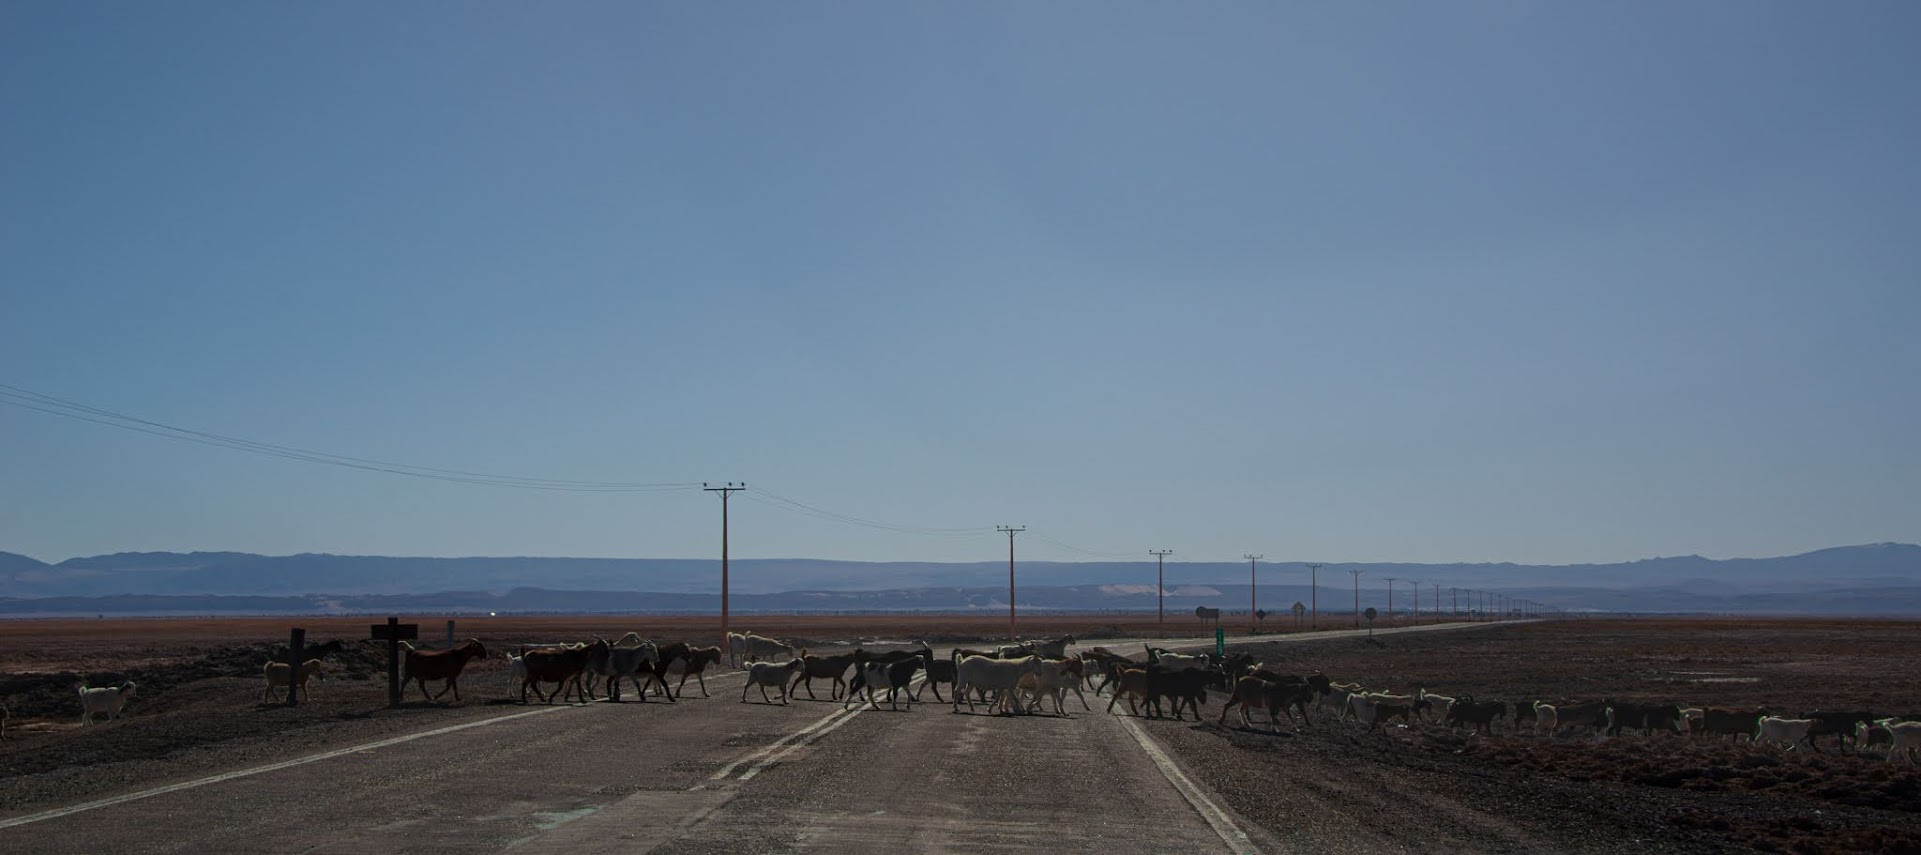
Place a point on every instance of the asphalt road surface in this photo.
(706, 775)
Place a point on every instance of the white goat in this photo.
(516, 671)
(279, 674)
(106, 701)
(1904, 739)
(1545, 718)
(1428, 702)
(764, 674)
(1691, 718)
(1786, 732)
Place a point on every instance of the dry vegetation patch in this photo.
(1758, 797)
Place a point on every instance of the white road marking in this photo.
(796, 745)
(1217, 819)
(257, 770)
(753, 756)
(817, 735)
(779, 749)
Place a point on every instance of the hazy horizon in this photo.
(1171, 561)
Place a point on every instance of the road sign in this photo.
(1220, 642)
(394, 630)
(1299, 609)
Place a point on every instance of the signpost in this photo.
(1370, 614)
(296, 653)
(1300, 610)
(1205, 613)
(393, 632)
(1220, 641)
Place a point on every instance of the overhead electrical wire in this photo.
(31, 400)
(1072, 548)
(764, 497)
(28, 399)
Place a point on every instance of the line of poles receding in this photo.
(1482, 604)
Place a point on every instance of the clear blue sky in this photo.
(1429, 282)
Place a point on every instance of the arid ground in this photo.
(1403, 788)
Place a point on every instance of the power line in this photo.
(1072, 548)
(30, 400)
(764, 497)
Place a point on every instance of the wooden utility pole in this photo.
(1011, 531)
(1357, 597)
(1160, 580)
(1390, 600)
(1437, 601)
(1314, 595)
(726, 491)
(1252, 607)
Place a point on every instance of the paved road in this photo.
(705, 775)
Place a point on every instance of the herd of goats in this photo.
(1020, 678)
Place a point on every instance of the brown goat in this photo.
(561, 665)
(424, 665)
(695, 663)
(826, 668)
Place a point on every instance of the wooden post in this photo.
(393, 662)
(296, 653)
(393, 632)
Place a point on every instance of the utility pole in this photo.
(1160, 580)
(1251, 607)
(1437, 601)
(1357, 597)
(1417, 600)
(1011, 531)
(726, 491)
(1456, 594)
(1314, 593)
(1390, 600)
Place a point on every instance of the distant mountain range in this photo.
(1873, 579)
